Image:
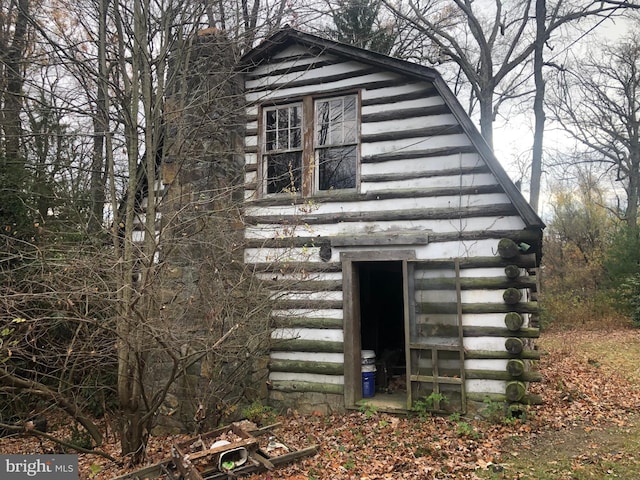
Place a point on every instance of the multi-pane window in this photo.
(283, 148)
(331, 160)
(335, 143)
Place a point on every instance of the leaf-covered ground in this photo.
(587, 428)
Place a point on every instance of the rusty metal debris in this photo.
(224, 453)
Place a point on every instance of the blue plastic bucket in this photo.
(368, 384)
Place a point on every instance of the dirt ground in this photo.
(588, 427)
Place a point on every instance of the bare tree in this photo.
(14, 35)
(168, 294)
(491, 44)
(598, 104)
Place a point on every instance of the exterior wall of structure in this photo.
(423, 187)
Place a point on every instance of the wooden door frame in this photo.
(351, 314)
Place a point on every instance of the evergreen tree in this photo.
(357, 22)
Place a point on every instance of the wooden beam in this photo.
(308, 322)
(303, 387)
(524, 307)
(414, 133)
(296, 345)
(501, 355)
(299, 366)
(501, 209)
(399, 176)
(404, 113)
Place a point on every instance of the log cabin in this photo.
(398, 250)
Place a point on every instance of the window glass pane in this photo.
(271, 120)
(349, 132)
(296, 138)
(350, 108)
(284, 172)
(283, 118)
(283, 139)
(322, 121)
(336, 168)
(296, 116)
(271, 140)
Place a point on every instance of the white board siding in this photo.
(415, 143)
(318, 334)
(477, 224)
(430, 164)
(275, 255)
(445, 201)
(266, 82)
(307, 377)
(431, 251)
(494, 344)
(402, 88)
(251, 177)
(308, 313)
(467, 296)
(426, 273)
(284, 93)
(486, 364)
(386, 107)
(251, 141)
(475, 180)
(308, 357)
(302, 295)
(468, 319)
(410, 123)
(485, 386)
(268, 69)
(301, 276)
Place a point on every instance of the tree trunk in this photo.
(538, 105)
(134, 436)
(486, 116)
(634, 189)
(13, 213)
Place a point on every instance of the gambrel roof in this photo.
(288, 37)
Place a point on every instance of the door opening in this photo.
(382, 328)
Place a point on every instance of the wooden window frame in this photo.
(309, 181)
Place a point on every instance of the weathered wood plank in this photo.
(475, 283)
(304, 285)
(495, 355)
(316, 346)
(433, 330)
(308, 322)
(312, 80)
(282, 200)
(291, 386)
(493, 375)
(504, 209)
(289, 267)
(412, 133)
(295, 366)
(428, 91)
(424, 153)
(293, 66)
(524, 307)
(397, 176)
(381, 239)
(305, 304)
(399, 114)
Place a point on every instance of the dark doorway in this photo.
(382, 322)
